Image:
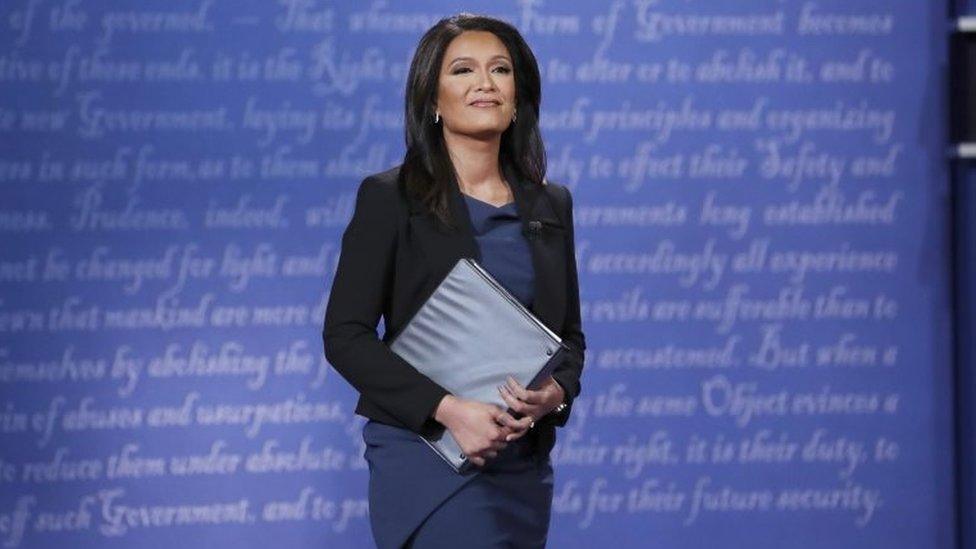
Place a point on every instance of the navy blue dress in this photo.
(418, 501)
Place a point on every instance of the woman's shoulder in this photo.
(560, 194)
(381, 182)
(380, 189)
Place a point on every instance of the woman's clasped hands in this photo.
(482, 430)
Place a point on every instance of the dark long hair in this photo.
(427, 170)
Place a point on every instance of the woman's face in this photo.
(476, 86)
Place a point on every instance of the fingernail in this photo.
(508, 438)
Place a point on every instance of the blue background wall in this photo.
(762, 236)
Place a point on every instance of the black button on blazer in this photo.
(394, 254)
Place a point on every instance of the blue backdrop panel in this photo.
(761, 220)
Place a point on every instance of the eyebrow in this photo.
(465, 58)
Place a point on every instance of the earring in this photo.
(437, 117)
(513, 116)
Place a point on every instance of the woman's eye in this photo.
(504, 70)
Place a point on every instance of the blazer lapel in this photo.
(443, 248)
(547, 247)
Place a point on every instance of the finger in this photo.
(504, 420)
(515, 387)
(521, 393)
(516, 436)
(507, 422)
(523, 423)
(510, 399)
(500, 432)
(499, 417)
(521, 407)
(523, 426)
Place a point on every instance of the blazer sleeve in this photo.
(568, 373)
(360, 292)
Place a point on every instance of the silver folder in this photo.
(468, 336)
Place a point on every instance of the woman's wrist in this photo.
(560, 390)
(560, 400)
(444, 412)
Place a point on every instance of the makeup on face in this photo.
(476, 88)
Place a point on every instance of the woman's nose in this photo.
(486, 82)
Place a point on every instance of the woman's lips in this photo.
(484, 104)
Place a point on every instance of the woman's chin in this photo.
(483, 131)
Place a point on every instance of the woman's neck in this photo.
(476, 163)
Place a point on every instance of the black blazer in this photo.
(394, 254)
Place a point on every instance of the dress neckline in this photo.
(489, 204)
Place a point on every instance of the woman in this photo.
(471, 185)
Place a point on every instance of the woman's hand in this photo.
(480, 429)
(532, 404)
